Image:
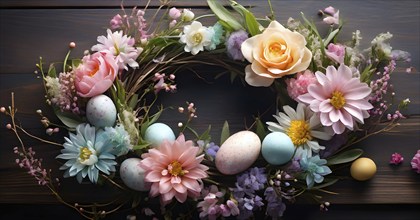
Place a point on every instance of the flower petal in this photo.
(255, 80)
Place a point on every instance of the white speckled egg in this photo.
(277, 148)
(101, 111)
(238, 152)
(133, 175)
(157, 133)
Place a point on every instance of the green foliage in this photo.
(225, 133)
(260, 130)
(70, 120)
(226, 18)
(251, 24)
(345, 157)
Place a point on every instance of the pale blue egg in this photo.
(101, 111)
(157, 133)
(277, 148)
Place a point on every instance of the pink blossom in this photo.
(96, 74)
(396, 159)
(336, 52)
(299, 86)
(116, 22)
(332, 15)
(340, 99)
(174, 170)
(174, 13)
(415, 162)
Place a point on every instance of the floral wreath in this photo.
(330, 95)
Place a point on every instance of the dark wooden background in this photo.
(29, 29)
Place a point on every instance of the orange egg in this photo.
(363, 169)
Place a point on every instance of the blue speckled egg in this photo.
(157, 133)
(133, 175)
(277, 148)
(101, 111)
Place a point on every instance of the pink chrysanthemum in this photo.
(415, 162)
(174, 170)
(339, 98)
(299, 86)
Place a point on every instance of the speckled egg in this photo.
(133, 175)
(101, 111)
(238, 152)
(363, 169)
(277, 148)
(157, 133)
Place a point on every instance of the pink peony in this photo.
(299, 86)
(96, 74)
(174, 170)
(415, 162)
(339, 98)
(336, 52)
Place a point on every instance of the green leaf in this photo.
(51, 71)
(133, 101)
(206, 135)
(76, 62)
(260, 129)
(251, 22)
(224, 15)
(225, 133)
(70, 120)
(327, 182)
(345, 157)
(331, 36)
(141, 146)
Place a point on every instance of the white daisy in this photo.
(303, 127)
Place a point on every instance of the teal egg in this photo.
(277, 148)
(157, 133)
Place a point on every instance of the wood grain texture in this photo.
(30, 29)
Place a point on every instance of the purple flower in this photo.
(212, 149)
(234, 42)
(336, 52)
(415, 162)
(116, 22)
(396, 159)
(275, 205)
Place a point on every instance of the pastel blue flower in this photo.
(314, 168)
(86, 154)
(118, 138)
(217, 35)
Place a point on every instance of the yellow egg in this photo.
(363, 169)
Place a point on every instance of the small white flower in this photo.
(187, 15)
(196, 37)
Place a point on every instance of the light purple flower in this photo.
(234, 42)
(396, 159)
(336, 52)
(212, 149)
(275, 205)
(332, 16)
(415, 162)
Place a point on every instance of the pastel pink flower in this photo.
(336, 52)
(332, 17)
(174, 13)
(174, 170)
(299, 86)
(95, 74)
(415, 162)
(340, 99)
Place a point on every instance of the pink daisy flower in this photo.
(339, 98)
(174, 170)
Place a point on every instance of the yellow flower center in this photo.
(85, 154)
(277, 49)
(197, 38)
(337, 100)
(175, 169)
(299, 132)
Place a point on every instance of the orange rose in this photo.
(273, 54)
